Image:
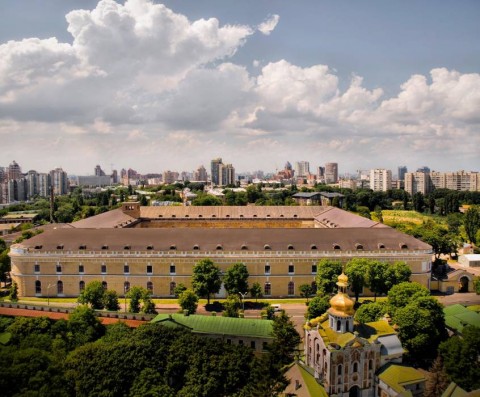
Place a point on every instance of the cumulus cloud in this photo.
(269, 25)
(138, 72)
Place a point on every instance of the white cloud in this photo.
(269, 25)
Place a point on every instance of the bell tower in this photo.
(341, 312)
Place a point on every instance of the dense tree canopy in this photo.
(327, 275)
(206, 278)
(235, 279)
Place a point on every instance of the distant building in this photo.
(215, 165)
(99, 171)
(94, 180)
(59, 181)
(427, 182)
(331, 173)
(302, 168)
(200, 175)
(380, 180)
(14, 171)
(402, 170)
(227, 172)
(170, 177)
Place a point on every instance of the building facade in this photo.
(331, 173)
(157, 248)
(380, 180)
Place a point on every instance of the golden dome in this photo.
(342, 304)
(342, 279)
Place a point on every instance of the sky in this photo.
(170, 85)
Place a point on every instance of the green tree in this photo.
(110, 300)
(286, 340)
(306, 291)
(135, 294)
(369, 312)
(179, 289)
(327, 275)
(5, 265)
(402, 294)
(93, 295)
(231, 306)
(376, 278)
(13, 295)
(188, 301)
(84, 325)
(397, 273)
(364, 211)
(317, 306)
(148, 306)
(418, 202)
(476, 285)
(235, 279)
(421, 329)
(471, 222)
(206, 278)
(256, 291)
(356, 270)
(460, 355)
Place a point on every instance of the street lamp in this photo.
(48, 293)
(125, 289)
(242, 297)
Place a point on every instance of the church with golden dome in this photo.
(350, 359)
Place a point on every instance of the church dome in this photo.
(341, 303)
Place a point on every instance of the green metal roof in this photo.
(219, 325)
(314, 388)
(457, 317)
(453, 390)
(398, 376)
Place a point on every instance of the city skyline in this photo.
(152, 87)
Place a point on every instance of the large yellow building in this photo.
(157, 247)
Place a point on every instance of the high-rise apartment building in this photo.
(200, 175)
(99, 171)
(402, 170)
(14, 171)
(43, 184)
(59, 181)
(227, 172)
(32, 181)
(380, 180)
(3, 174)
(331, 173)
(424, 169)
(169, 177)
(302, 168)
(215, 165)
(427, 182)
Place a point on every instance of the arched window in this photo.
(81, 285)
(291, 288)
(104, 285)
(370, 364)
(126, 286)
(355, 367)
(173, 285)
(268, 289)
(38, 287)
(150, 287)
(59, 287)
(339, 369)
(339, 325)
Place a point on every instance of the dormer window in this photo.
(174, 216)
(200, 216)
(227, 216)
(281, 216)
(160, 216)
(187, 216)
(219, 247)
(244, 247)
(403, 246)
(359, 247)
(214, 216)
(104, 247)
(60, 247)
(290, 247)
(255, 215)
(268, 215)
(127, 247)
(38, 247)
(196, 247)
(82, 247)
(149, 247)
(173, 247)
(266, 247)
(313, 247)
(295, 215)
(381, 246)
(241, 215)
(336, 247)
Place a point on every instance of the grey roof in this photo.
(391, 345)
(331, 194)
(108, 220)
(335, 217)
(229, 239)
(306, 195)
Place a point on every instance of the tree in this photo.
(13, 295)
(437, 379)
(93, 295)
(84, 325)
(364, 211)
(148, 306)
(5, 266)
(306, 291)
(356, 270)
(188, 301)
(327, 275)
(376, 278)
(206, 278)
(235, 279)
(318, 306)
(286, 340)
(135, 294)
(402, 294)
(256, 291)
(369, 312)
(418, 202)
(397, 273)
(471, 223)
(231, 306)
(460, 356)
(421, 329)
(110, 300)
(179, 289)
(476, 285)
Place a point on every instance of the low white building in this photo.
(470, 260)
